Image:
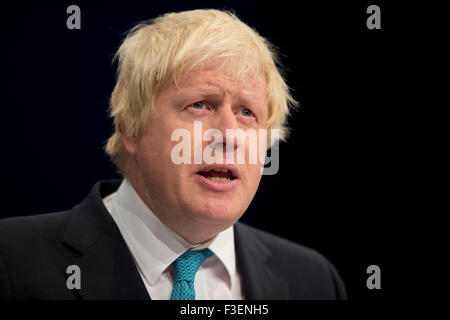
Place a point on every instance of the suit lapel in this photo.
(107, 267)
(109, 272)
(260, 279)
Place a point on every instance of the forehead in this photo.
(218, 77)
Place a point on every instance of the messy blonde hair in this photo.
(167, 47)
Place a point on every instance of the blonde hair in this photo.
(167, 47)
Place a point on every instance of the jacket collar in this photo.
(257, 268)
(107, 267)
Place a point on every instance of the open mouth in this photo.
(218, 174)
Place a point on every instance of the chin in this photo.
(218, 211)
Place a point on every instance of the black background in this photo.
(340, 185)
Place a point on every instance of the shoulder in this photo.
(30, 246)
(303, 267)
(282, 247)
(33, 238)
(49, 226)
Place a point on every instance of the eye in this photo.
(247, 112)
(198, 105)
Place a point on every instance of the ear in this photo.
(129, 142)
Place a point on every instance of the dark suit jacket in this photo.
(35, 252)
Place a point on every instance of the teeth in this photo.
(220, 170)
(219, 179)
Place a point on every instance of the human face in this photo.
(178, 193)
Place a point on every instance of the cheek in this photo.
(152, 156)
(155, 155)
(157, 144)
(254, 178)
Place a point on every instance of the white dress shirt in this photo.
(154, 247)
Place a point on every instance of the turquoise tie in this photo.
(185, 268)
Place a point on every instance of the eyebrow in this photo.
(213, 92)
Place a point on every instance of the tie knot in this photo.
(187, 265)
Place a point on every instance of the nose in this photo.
(224, 119)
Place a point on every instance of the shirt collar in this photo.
(153, 244)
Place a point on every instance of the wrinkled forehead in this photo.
(236, 74)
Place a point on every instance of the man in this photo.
(169, 229)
